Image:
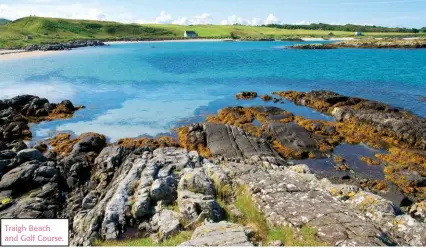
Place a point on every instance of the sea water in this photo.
(132, 90)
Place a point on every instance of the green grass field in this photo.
(50, 30)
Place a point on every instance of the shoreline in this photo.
(20, 54)
(6, 55)
(168, 41)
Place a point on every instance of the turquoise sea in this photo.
(148, 88)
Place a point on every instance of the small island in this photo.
(366, 43)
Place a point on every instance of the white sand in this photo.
(19, 54)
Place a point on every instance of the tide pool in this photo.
(148, 88)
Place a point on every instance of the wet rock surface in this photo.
(405, 126)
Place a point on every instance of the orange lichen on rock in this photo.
(288, 153)
(62, 143)
(355, 132)
(61, 112)
(342, 167)
(240, 117)
(183, 134)
(402, 167)
(246, 95)
(41, 147)
(317, 104)
(370, 161)
(266, 98)
(338, 159)
(153, 143)
(380, 185)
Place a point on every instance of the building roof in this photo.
(190, 32)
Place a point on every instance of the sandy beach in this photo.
(20, 54)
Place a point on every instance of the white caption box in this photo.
(34, 232)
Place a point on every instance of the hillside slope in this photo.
(3, 21)
(50, 30)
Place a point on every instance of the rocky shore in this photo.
(228, 181)
(64, 46)
(366, 43)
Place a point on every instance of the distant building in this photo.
(190, 34)
(358, 33)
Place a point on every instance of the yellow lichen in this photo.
(183, 133)
(370, 161)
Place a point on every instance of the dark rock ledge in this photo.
(64, 46)
(106, 190)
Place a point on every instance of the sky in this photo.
(391, 13)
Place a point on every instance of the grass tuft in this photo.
(173, 241)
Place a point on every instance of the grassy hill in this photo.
(3, 21)
(50, 30)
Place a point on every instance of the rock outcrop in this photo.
(342, 214)
(16, 113)
(404, 126)
(220, 234)
(108, 190)
(64, 46)
(367, 43)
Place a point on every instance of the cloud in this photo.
(271, 19)
(90, 14)
(165, 18)
(3, 9)
(181, 21)
(234, 19)
(73, 11)
(201, 19)
(303, 22)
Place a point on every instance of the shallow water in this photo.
(135, 89)
(352, 155)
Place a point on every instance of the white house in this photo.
(358, 33)
(190, 34)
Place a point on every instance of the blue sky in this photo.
(403, 13)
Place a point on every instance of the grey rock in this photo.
(219, 234)
(167, 222)
(110, 157)
(30, 155)
(20, 178)
(292, 135)
(291, 198)
(89, 201)
(191, 205)
(232, 142)
(115, 211)
(198, 182)
(89, 143)
(164, 189)
(418, 211)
